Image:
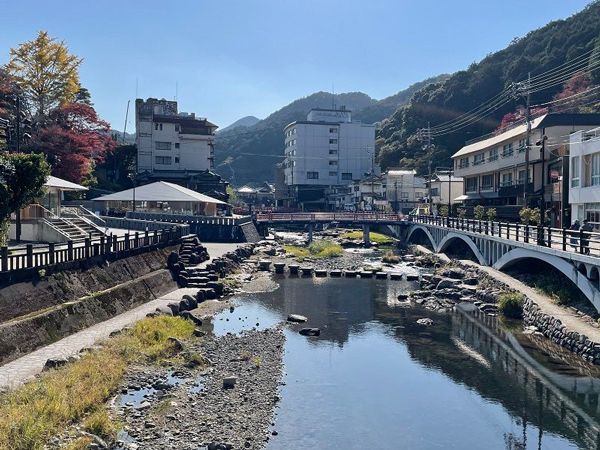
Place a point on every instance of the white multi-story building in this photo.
(494, 167)
(405, 190)
(328, 149)
(171, 141)
(584, 179)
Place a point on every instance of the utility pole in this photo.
(527, 140)
(18, 124)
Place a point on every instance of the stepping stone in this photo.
(411, 277)
(293, 269)
(320, 273)
(297, 318)
(350, 273)
(335, 273)
(279, 267)
(395, 276)
(264, 264)
(366, 274)
(306, 271)
(310, 332)
(381, 275)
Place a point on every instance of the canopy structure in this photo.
(164, 197)
(63, 185)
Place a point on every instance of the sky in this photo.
(227, 59)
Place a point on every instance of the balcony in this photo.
(478, 162)
(506, 154)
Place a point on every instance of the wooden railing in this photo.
(30, 256)
(577, 241)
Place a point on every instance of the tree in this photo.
(22, 179)
(491, 214)
(46, 72)
(83, 96)
(74, 140)
(479, 212)
(113, 172)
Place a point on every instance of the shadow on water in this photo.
(375, 378)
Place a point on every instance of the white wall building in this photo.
(405, 189)
(327, 149)
(171, 141)
(584, 179)
(443, 191)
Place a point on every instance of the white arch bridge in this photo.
(501, 245)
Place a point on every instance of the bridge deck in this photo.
(325, 217)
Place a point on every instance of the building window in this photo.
(507, 150)
(346, 175)
(333, 163)
(162, 145)
(472, 184)
(493, 154)
(464, 162)
(333, 130)
(404, 195)
(156, 126)
(575, 171)
(333, 174)
(507, 179)
(522, 145)
(164, 160)
(312, 175)
(333, 152)
(333, 141)
(521, 177)
(487, 182)
(435, 192)
(177, 128)
(595, 169)
(478, 159)
(176, 144)
(177, 160)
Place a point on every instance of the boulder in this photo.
(55, 363)
(191, 317)
(191, 301)
(297, 318)
(425, 322)
(229, 382)
(446, 283)
(310, 332)
(174, 307)
(454, 273)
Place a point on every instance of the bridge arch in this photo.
(427, 233)
(447, 240)
(571, 271)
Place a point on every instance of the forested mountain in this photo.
(384, 108)
(247, 121)
(235, 149)
(560, 44)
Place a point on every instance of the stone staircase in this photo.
(75, 228)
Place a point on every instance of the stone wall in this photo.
(558, 333)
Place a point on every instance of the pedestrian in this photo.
(574, 228)
(587, 228)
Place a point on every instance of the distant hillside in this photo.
(250, 154)
(129, 137)
(387, 106)
(549, 47)
(247, 121)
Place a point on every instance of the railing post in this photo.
(155, 237)
(146, 242)
(114, 247)
(549, 237)
(487, 224)
(51, 255)
(4, 258)
(102, 245)
(70, 250)
(581, 241)
(526, 240)
(499, 230)
(29, 257)
(517, 231)
(87, 247)
(564, 239)
(127, 242)
(492, 228)
(137, 240)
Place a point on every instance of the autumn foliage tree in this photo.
(74, 139)
(46, 72)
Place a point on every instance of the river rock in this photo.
(425, 321)
(191, 317)
(446, 283)
(229, 382)
(55, 363)
(297, 318)
(310, 332)
(454, 273)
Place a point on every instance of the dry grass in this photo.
(33, 413)
(381, 239)
(317, 249)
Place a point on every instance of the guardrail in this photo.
(187, 218)
(329, 217)
(31, 256)
(576, 241)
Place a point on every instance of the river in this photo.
(375, 379)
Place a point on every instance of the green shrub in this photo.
(491, 214)
(390, 258)
(479, 212)
(443, 211)
(510, 304)
(462, 213)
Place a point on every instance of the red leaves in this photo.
(74, 139)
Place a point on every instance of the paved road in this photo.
(20, 370)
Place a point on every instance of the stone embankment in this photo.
(551, 327)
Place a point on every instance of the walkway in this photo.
(20, 370)
(569, 318)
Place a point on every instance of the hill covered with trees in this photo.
(571, 47)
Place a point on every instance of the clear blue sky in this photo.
(251, 57)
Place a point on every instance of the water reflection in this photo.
(374, 378)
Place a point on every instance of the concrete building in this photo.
(328, 149)
(584, 182)
(494, 166)
(404, 189)
(175, 146)
(370, 194)
(444, 189)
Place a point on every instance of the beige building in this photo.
(494, 167)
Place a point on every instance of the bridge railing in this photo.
(329, 217)
(578, 241)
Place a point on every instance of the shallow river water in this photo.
(375, 379)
